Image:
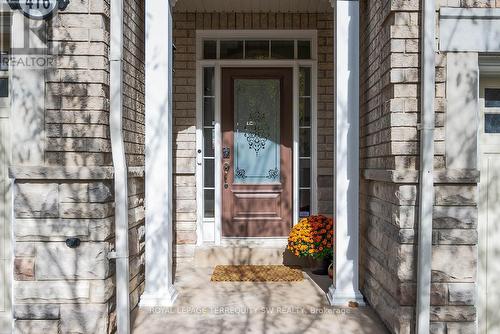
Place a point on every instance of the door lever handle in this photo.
(226, 172)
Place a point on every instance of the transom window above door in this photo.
(257, 49)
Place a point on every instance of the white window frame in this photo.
(209, 231)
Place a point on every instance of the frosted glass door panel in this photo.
(257, 131)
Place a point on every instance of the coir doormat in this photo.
(256, 273)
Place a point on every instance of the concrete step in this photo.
(226, 255)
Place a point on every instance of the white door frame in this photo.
(209, 232)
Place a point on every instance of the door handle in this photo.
(199, 158)
(226, 172)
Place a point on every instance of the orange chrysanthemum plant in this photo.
(312, 236)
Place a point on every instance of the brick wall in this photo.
(390, 112)
(77, 101)
(185, 25)
(133, 79)
(134, 137)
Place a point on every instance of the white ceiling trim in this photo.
(285, 6)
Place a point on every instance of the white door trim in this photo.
(209, 232)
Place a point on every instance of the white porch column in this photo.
(345, 287)
(159, 289)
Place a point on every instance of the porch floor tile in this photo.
(245, 307)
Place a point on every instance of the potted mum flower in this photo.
(313, 237)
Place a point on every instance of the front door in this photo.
(257, 141)
(489, 208)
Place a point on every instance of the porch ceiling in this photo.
(285, 6)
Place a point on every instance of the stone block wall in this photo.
(136, 235)
(185, 26)
(390, 113)
(58, 288)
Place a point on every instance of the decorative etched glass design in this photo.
(257, 130)
(240, 174)
(273, 174)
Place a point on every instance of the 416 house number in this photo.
(38, 9)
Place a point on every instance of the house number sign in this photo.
(38, 9)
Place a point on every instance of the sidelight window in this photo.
(492, 111)
(209, 142)
(305, 139)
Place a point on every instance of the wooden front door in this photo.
(257, 176)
